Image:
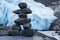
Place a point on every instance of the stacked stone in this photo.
(22, 20)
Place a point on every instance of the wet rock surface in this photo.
(37, 36)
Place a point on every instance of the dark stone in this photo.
(55, 25)
(3, 32)
(13, 33)
(17, 11)
(25, 10)
(27, 26)
(27, 33)
(22, 21)
(57, 14)
(22, 5)
(22, 15)
(5, 27)
(46, 2)
(16, 27)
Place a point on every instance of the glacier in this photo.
(41, 16)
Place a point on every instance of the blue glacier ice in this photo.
(41, 16)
